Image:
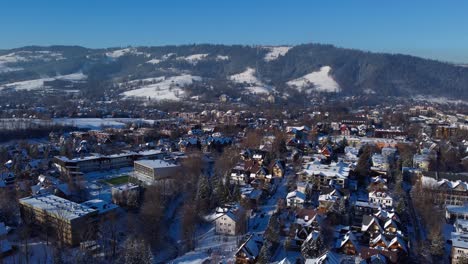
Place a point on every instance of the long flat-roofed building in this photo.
(78, 166)
(69, 221)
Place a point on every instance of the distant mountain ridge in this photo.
(285, 71)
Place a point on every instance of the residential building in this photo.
(69, 221)
(249, 251)
(459, 247)
(380, 197)
(231, 223)
(324, 175)
(295, 199)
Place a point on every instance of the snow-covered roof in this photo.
(455, 209)
(297, 195)
(57, 206)
(369, 220)
(349, 236)
(339, 169)
(100, 205)
(156, 164)
(459, 240)
(251, 247)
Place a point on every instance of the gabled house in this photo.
(233, 222)
(348, 244)
(239, 176)
(248, 251)
(295, 199)
(381, 197)
(371, 225)
(278, 168)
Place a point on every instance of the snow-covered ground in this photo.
(99, 123)
(154, 61)
(275, 52)
(163, 58)
(7, 61)
(98, 190)
(192, 258)
(439, 100)
(246, 77)
(194, 58)
(251, 82)
(39, 252)
(164, 89)
(320, 81)
(39, 83)
(222, 58)
(122, 52)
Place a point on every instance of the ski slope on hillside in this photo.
(276, 52)
(163, 88)
(251, 82)
(320, 81)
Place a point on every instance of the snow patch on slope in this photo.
(154, 61)
(439, 100)
(251, 82)
(39, 83)
(194, 58)
(320, 81)
(275, 52)
(163, 88)
(246, 77)
(7, 60)
(115, 54)
(222, 58)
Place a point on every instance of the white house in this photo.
(295, 199)
(381, 198)
(233, 222)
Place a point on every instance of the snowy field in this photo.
(169, 88)
(98, 123)
(276, 52)
(194, 58)
(321, 81)
(82, 123)
(222, 58)
(439, 100)
(8, 61)
(251, 82)
(115, 54)
(39, 83)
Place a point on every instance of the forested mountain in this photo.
(172, 72)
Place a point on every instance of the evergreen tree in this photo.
(203, 194)
(136, 251)
(313, 246)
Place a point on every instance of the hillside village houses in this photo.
(303, 199)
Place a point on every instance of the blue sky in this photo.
(434, 29)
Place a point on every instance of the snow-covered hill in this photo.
(161, 88)
(39, 83)
(250, 81)
(320, 81)
(275, 52)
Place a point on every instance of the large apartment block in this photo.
(78, 166)
(70, 222)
